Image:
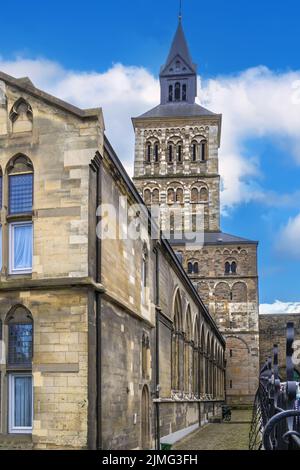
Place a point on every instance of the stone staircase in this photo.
(15, 442)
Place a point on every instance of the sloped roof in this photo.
(26, 85)
(215, 238)
(179, 47)
(177, 110)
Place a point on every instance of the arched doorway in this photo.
(145, 422)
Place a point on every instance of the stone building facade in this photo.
(176, 168)
(105, 342)
(272, 330)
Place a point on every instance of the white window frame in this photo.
(13, 270)
(11, 408)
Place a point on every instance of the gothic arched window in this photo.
(183, 92)
(227, 267)
(21, 116)
(20, 185)
(196, 268)
(20, 202)
(176, 346)
(177, 91)
(19, 362)
(170, 92)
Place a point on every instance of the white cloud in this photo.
(122, 92)
(280, 307)
(289, 236)
(255, 103)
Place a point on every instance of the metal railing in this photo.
(276, 412)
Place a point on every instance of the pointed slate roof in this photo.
(179, 47)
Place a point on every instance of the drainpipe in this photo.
(157, 437)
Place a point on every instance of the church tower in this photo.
(176, 166)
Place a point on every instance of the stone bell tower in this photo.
(176, 166)
(176, 156)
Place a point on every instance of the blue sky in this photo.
(248, 59)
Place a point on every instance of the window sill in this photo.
(19, 367)
(22, 216)
(25, 275)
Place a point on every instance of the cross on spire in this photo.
(180, 10)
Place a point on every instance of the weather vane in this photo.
(180, 10)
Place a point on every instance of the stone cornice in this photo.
(20, 284)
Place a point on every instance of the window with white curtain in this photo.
(20, 403)
(20, 247)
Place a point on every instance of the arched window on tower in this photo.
(179, 153)
(227, 267)
(230, 267)
(195, 195)
(177, 91)
(170, 153)
(147, 196)
(171, 196)
(203, 146)
(179, 195)
(184, 92)
(156, 150)
(233, 267)
(194, 151)
(155, 196)
(170, 92)
(148, 152)
(193, 267)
